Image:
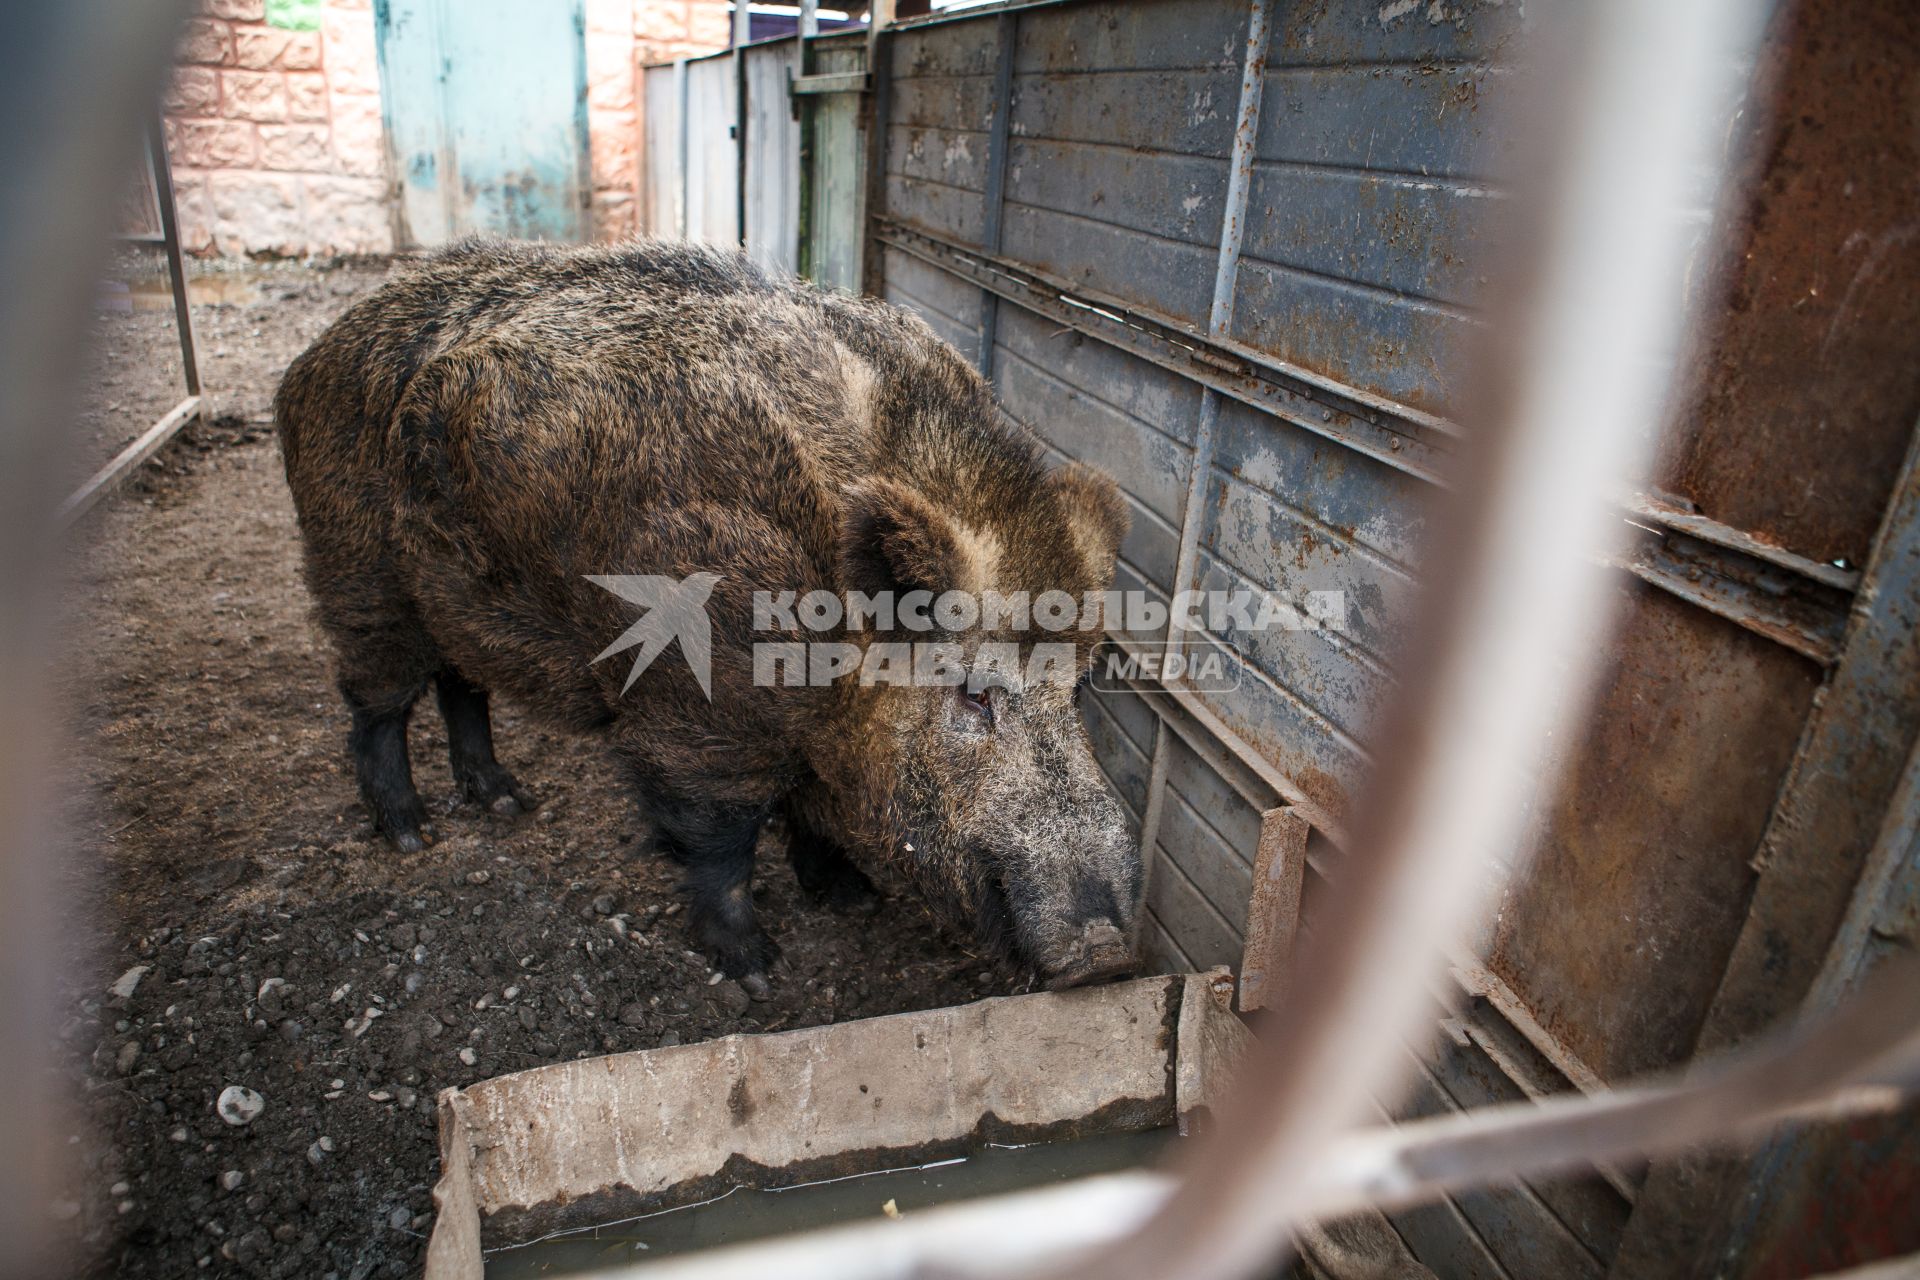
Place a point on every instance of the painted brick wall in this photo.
(275, 136)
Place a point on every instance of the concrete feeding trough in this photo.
(601, 1140)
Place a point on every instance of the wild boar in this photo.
(477, 449)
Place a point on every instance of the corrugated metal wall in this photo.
(1229, 250)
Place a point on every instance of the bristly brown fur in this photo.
(466, 446)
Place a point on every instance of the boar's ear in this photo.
(893, 538)
(1096, 515)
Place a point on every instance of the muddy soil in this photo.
(230, 885)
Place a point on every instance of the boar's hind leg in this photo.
(470, 746)
(378, 740)
(823, 868)
(716, 848)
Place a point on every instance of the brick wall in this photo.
(275, 136)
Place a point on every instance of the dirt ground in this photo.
(230, 878)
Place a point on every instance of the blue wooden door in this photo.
(486, 114)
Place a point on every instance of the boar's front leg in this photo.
(822, 866)
(715, 845)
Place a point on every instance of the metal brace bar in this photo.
(170, 236)
(1219, 322)
(150, 441)
(1388, 436)
(1007, 36)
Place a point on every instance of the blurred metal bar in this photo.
(1253, 75)
(76, 81)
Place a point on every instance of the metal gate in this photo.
(1230, 251)
(486, 114)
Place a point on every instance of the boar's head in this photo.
(986, 792)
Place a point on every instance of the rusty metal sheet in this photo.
(1445, 1241)
(1219, 872)
(1159, 953)
(1204, 34)
(1389, 344)
(1293, 555)
(1169, 404)
(1130, 712)
(1228, 812)
(1173, 197)
(950, 157)
(928, 287)
(963, 48)
(1416, 34)
(1181, 111)
(1835, 1196)
(1189, 919)
(1363, 118)
(1124, 763)
(942, 102)
(1805, 388)
(1148, 463)
(1416, 236)
(934, 207)
(1322, 762)
(1172, 279)
(1378, 507)
(1591, 1209)
(1336, 682)
(1661, 805)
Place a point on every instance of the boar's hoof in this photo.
(755, 985)
(507, 807)
(1099, 954)
(412, 839)
(741, 956)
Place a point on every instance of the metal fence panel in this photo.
(773, 155)
(662, 161)
(713, 160)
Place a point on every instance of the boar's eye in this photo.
(981, 701)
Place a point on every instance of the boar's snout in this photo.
(1099, 954)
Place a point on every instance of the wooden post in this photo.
(1273, 912)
